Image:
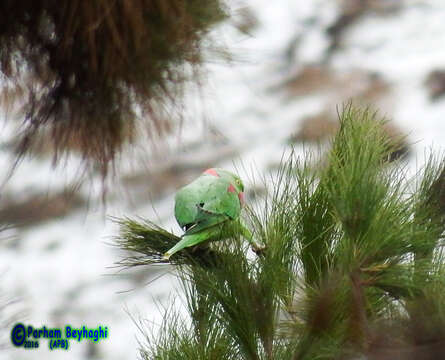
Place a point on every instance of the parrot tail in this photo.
(186, 241)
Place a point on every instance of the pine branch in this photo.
(353, 249)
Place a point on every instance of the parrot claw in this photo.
(258, 249)
(166, 256)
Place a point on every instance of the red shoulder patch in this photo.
(211, 172)
(231, 188)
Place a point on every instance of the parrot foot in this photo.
(258, 249)
(166, 256)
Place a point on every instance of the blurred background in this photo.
(292, 65)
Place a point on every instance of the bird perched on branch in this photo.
(209, 209)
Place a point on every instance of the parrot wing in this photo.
(206, 202)
(205, 219)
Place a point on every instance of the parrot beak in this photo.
(241, 198)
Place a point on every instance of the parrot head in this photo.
(233, 179)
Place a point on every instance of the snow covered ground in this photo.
(61, 271)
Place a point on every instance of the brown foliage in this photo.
(88, 69)
(435, 82)
(39, 208)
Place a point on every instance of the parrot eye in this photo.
(240, 184)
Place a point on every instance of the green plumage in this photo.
(209, 209)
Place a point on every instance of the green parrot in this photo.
(209, 209)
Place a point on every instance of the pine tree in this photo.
(82, 75)
(354, 266)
